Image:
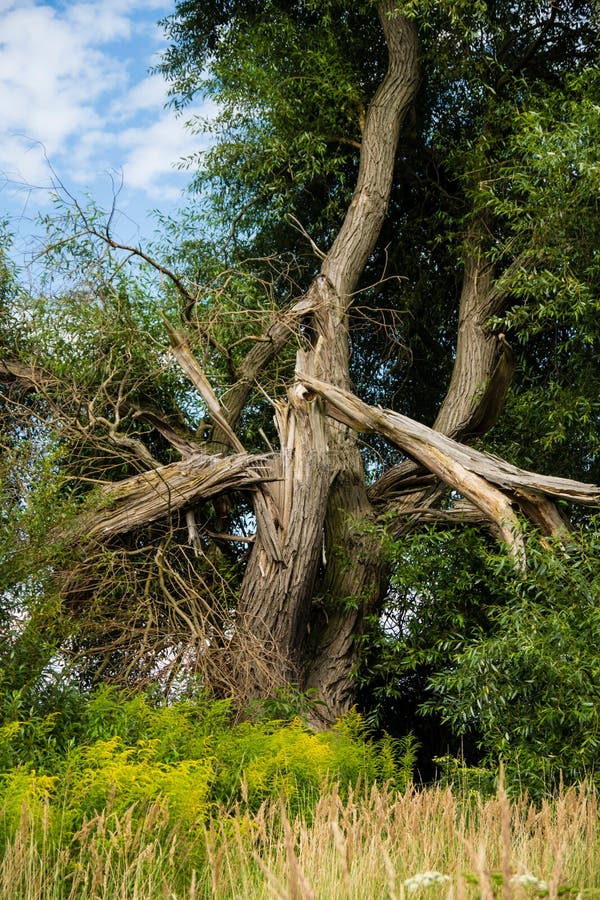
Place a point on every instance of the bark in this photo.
(349, 592)
(350, 251)
(490, 483)
(278, 584)
(277, 593)
(484, 363)
(158, 493)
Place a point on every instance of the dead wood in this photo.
(493, 485)
(29, 377)
(159, 493)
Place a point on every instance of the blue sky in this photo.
(75, 90)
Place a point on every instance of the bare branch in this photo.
(297, 224)
(144, 498)
(284, 326)
(180, 438)
(136, 251)
(180, 349)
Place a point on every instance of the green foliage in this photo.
(530, 682)
(509, 660)
(286, 704)
(288, 117)
(119, 754)
(24, 792)
(110, 774)
(34, 503)
(545, 192)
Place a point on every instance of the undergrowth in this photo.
(130, 798)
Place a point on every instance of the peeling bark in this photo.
(490, 483)
(159, 493)
(278, 584)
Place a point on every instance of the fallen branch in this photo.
(489, 482)
(409, 435)
(142, 499)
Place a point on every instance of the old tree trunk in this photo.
(314, 569)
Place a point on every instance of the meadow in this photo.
(376, 842)
(130, 800)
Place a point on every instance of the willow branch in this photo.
(489, 482)
(159, 493)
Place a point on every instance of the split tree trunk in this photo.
(323, 485)
(314, 570)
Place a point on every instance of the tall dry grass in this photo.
(368, 845)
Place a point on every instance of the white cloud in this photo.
(74, 85)
(148, 94)
(50, 76)
(147, 149)
(105, 21)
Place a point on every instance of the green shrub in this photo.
(128, 755)
(529, 681)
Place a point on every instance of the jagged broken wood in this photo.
(492, 484)
(158, 493)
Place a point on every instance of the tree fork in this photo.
(279, 606)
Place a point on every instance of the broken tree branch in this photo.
(144, 498)
(180, 349)
(491, 483)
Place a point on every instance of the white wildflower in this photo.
(527, 880)
(425, 880)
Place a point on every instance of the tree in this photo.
(444, 156)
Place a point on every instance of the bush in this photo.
(494, 664)
(128, 755)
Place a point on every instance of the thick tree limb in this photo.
(484, 365)
(284, 326)
(350, 251)
(32, 378)
(278, 584)
(489, 482)
(156, 494)
(408, 434)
